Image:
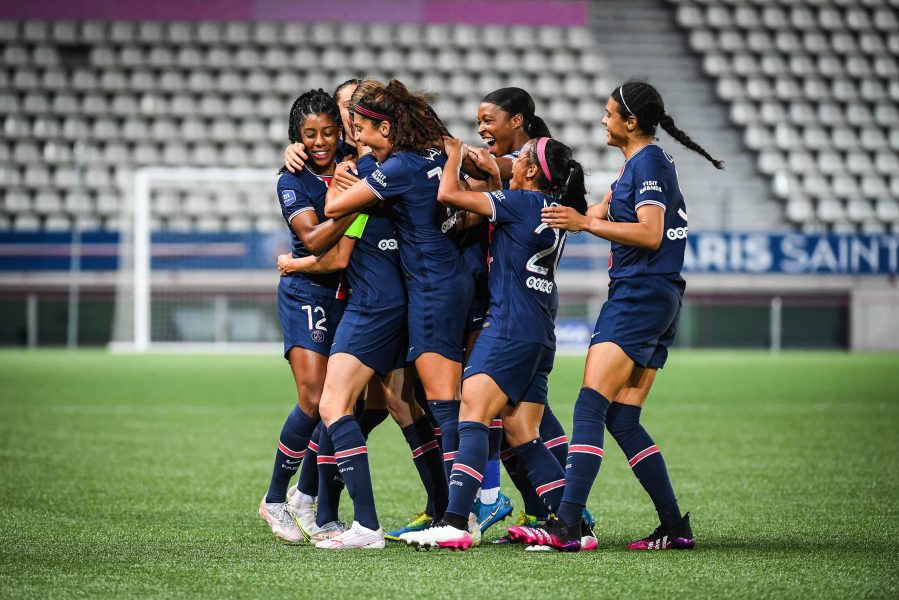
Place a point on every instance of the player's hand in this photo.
(284, 264)
(345, 175)
(295, 157)
(452, 146)
(484, 161)
(564, 217)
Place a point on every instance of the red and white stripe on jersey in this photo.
(351, 452)
(585, 449)
(468, 471)
(326, 460)
(643, 454)
(496, 424)
(548, 487)
(556, 441)
(313, 446)
(437, 431)
(424, 448)
(449, 456)
(289, 452)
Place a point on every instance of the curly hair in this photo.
(414, 124)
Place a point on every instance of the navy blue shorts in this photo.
(640, 316)
(374, 335)
(477, 310)
(520, 369)
(309, 314)
(437, 319)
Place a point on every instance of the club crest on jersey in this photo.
(288, 197)
(317, 336)
(379, 177)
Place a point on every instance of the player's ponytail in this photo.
(414, 125)
(644, 102)
(516, 101)
(560, 176)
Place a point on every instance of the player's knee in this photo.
(623, 420)
(585, 409)
(520, 431)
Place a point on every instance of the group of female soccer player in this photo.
(421, 286)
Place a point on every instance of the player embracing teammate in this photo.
(415, 183)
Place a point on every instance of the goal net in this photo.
(197, 261)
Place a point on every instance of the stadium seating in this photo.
(815, 84)
(205, 94)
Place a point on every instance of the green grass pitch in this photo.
(140, 476)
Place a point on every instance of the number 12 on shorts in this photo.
(317, 310)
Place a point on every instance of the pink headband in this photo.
(371, 114)
(541, 158)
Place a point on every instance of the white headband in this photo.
(623, 101)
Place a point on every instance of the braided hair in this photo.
(566, 175)
(313, 102)
(644, 102)
(517, 101)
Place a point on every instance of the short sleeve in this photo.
(365, 166)
(358, 227)
(649, 187)
(391, 179)
(293, 198)
(508, 207)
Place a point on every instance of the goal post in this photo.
(191, 238)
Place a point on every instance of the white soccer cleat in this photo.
(326, 531)
(538, 548)
(281, 521)
(302, 510)
(474, 529)
(440, 535)
(355, 537)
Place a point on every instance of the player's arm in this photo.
(317, 237)
(335, 259)
(645, 233)
(600, 210)
(450, 193)
(341, 203)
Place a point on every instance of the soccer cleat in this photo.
(315, 534)
(418, 522)
(474, 530)
(551, 533)
(302, 510)
(439, 535)
(490, 514)
(588, 538)
(676, 537)
(523, 519)
(281, 521)
(356, 537)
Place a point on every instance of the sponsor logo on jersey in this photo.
(448, 224)
(677, 233)
(498, 195)
(288, 197)
(650, 186)
(540, 284)
(387, 245)
(379, 177)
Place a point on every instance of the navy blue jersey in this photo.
(408, 182)
(374, 273)
(513, 155)
(344, 150)
(524, 253)
(299, 193)
(649, 177)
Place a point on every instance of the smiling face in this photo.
(343, 103)
(498, 128)
(524, 170)
(374, 134)
(617, 128)
(319, 133)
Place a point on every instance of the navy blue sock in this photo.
(468, 468)
(446, 413)
(420, 456)
(491, 474)
(584, 454)
(308, 480)
(330, 484)
(645, 459)
(371, 418)
(519, 475)
(292, 446)
(544, 472)
(554, 436)
(438, 494)
(351, 455)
